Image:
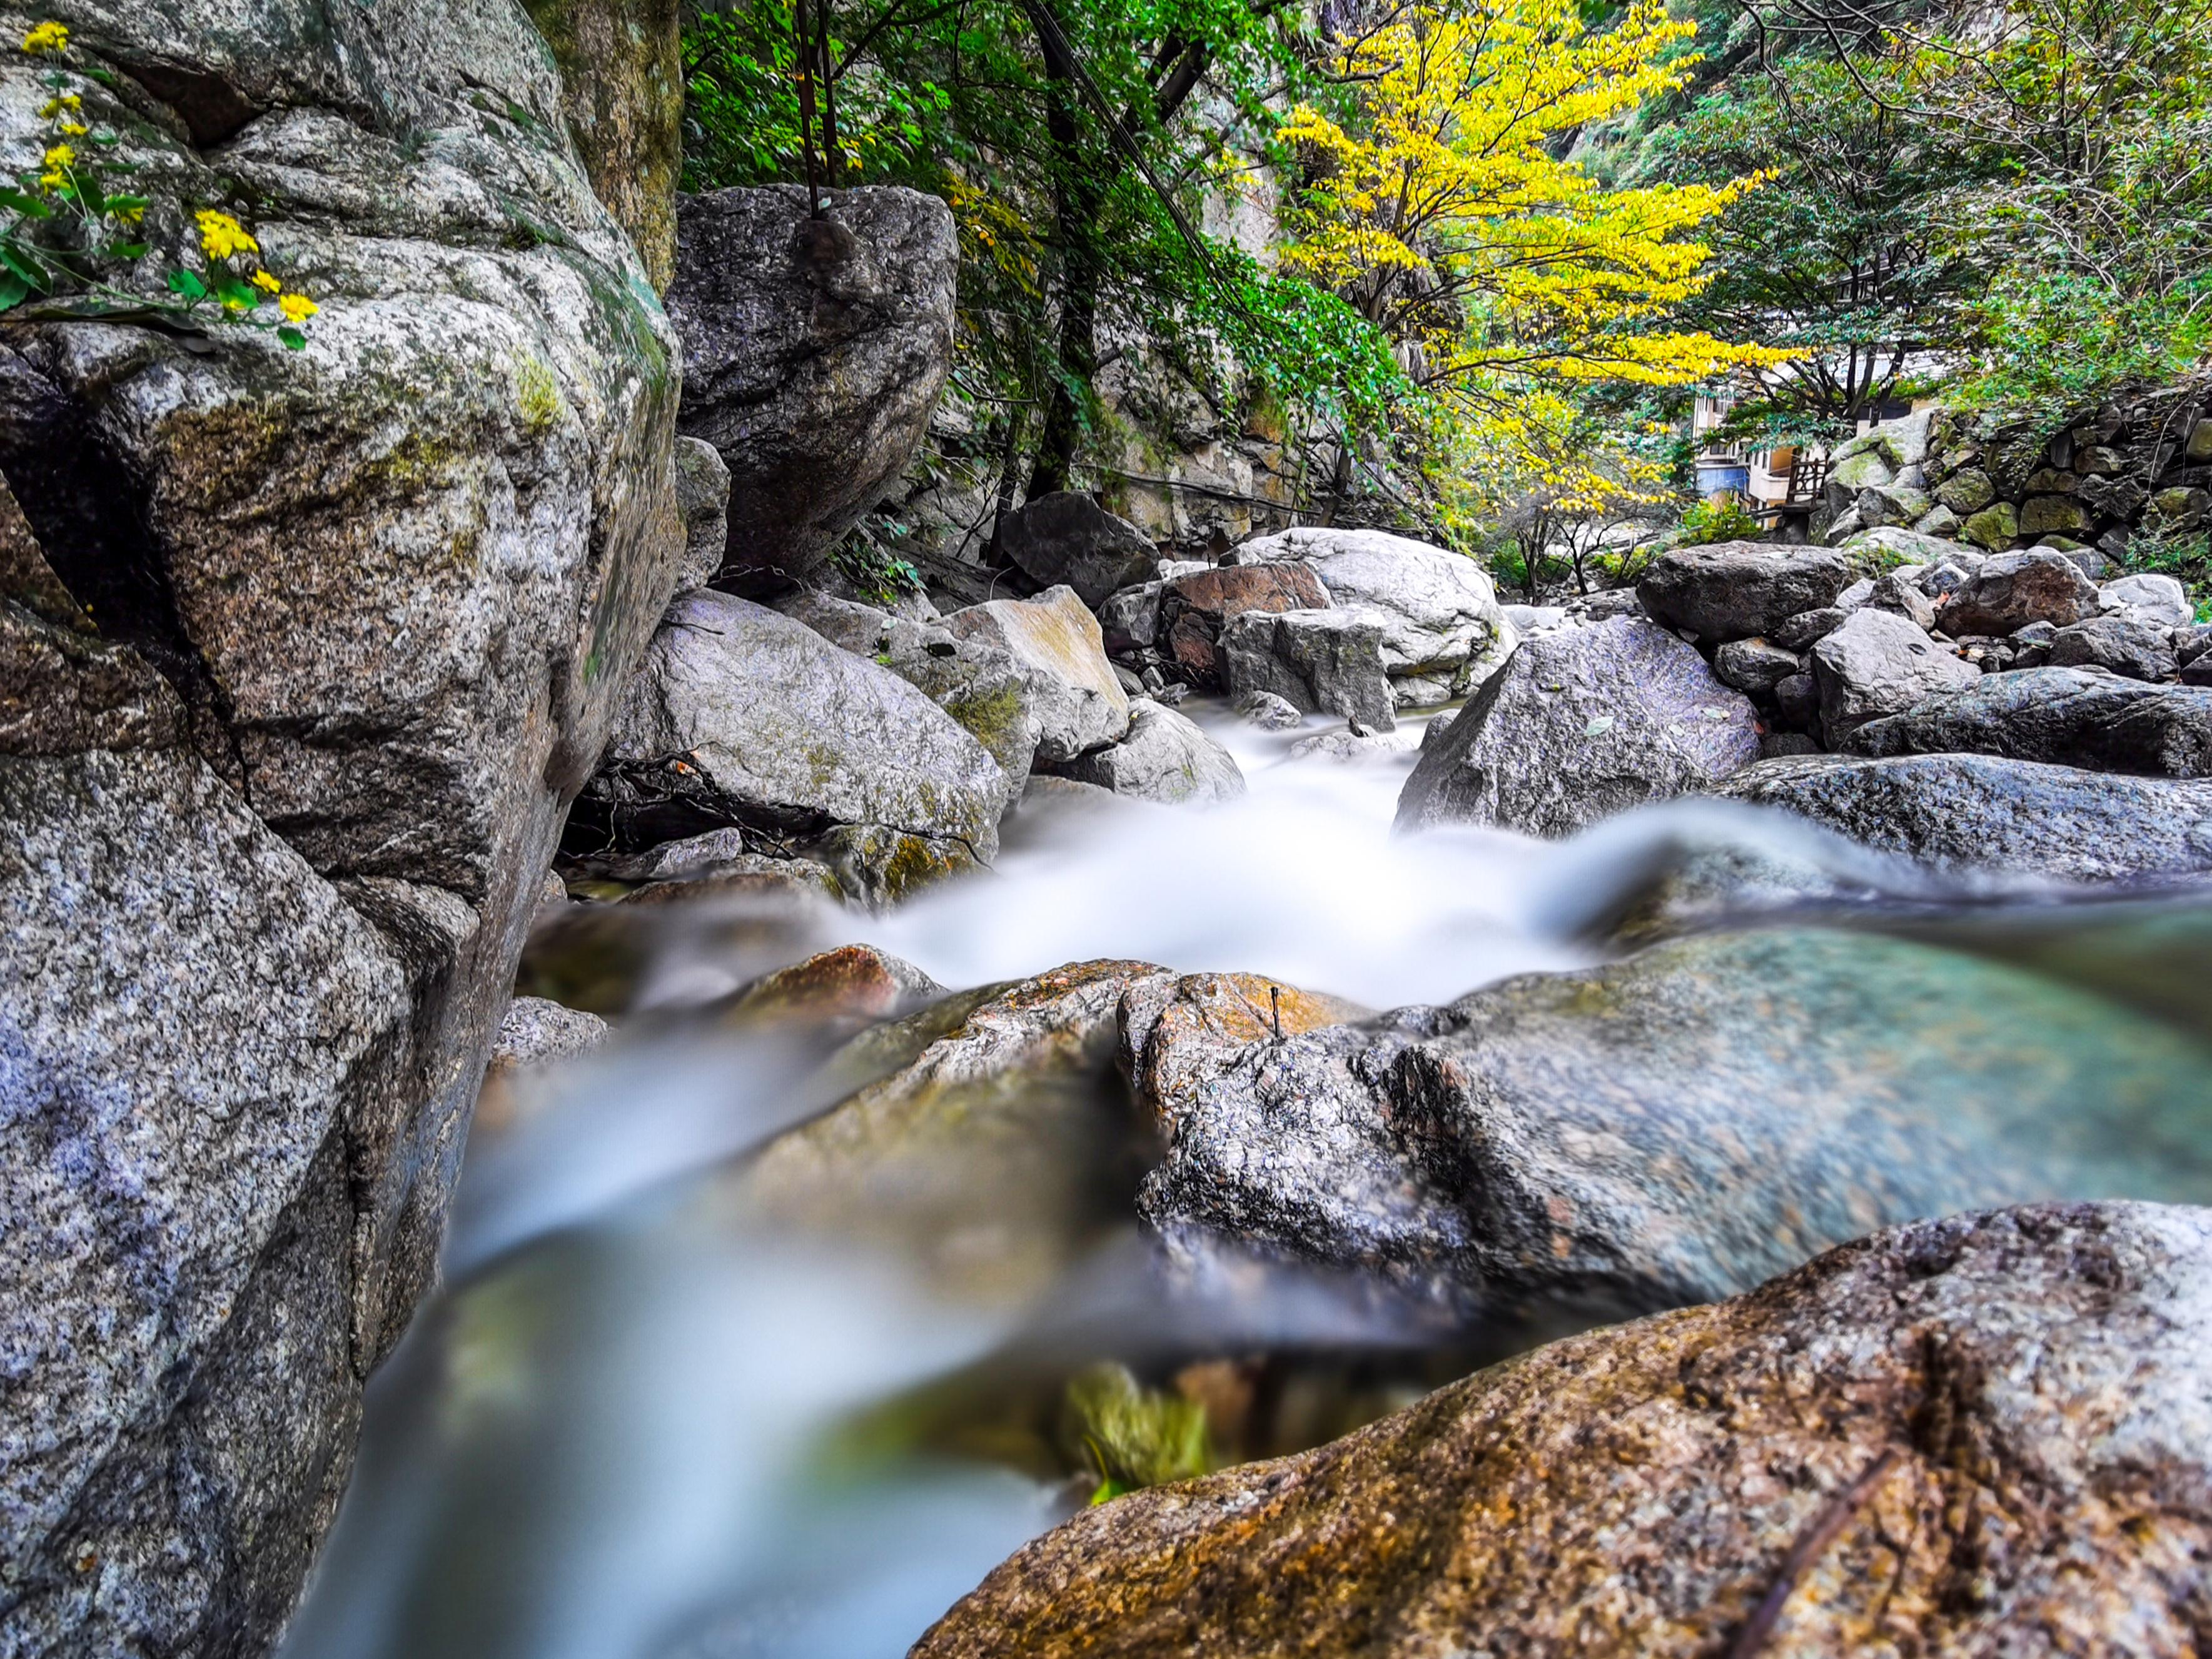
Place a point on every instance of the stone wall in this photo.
(2142, 465)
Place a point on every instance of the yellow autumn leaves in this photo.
(1503, 274)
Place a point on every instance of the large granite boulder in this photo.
(979, 684)
(743, 717)
(1317, 661)
(1579, 725)
(272, 835)
(1166, 758)
(1738, 589)
(1965, 1436)
(813, 353)
(2118, 642)
(1078, 704)
(1439, 612)
(1969, 812)
(2062, 716)
(1877, 663)
(702, 496)
(1671, 1129)
(1068, 539)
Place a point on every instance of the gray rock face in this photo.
(979, 684)
(1130, 619)
(2014, 589)
(1439, 612)
(1807, 628)
(1317, 661)
(813, 354)
(2061, 716)
(1878, 664)
(1627, 1486)
(1670, 1129)
(1166, 758)
(702, 496)
(1068, 539)
(1580, 724)
(2149, 597)
(2125, 647)
(1894, 593)
(741, 716)
(1735, 589)
(1073, 695)
(1985, 812)
(1269, 712)
(264, 918)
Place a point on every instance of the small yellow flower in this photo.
(265, 282)
(297, 307)
(130, 215)
(59, 102)
(73, 129)
(59, 157)
(222, 236)
(46, 37)
(52, 181)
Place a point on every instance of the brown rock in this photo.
(1174, 1031)
(1192, 608)
(854, 984)
(1987, 1434)
(2014, 589)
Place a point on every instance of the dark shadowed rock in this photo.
(1317, 661)
(1067, 538)
(1166, 758)
(1755, 665)
(2014, 589)
(1981, 811)
(980, 684)
(813, 353)
(1877, 663)
(741, 716)
(1735, 589)
(1975, 1433)
(2131, 648)
(1193, 608)
(1673, 1128)
(1072, 693)
(2063, 716)
(1808, 627)
(1579, 725)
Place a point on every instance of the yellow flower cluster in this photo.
(222, 236)
(46, 38)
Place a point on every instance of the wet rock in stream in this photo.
(1669, 1129)
(1985, 1435)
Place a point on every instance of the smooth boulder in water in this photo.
(1964, 1436)
(1073, 696)
(1675, 1128)
(2060, 716)
(742, 716)
(1440, 615)
(1985, 812)
(1166, 758)
(1579, 725)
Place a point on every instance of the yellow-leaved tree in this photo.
(1503, 276)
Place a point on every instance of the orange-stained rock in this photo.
(2034, 1378)
(852, 983)
(1194, 607)
(1174, 1032)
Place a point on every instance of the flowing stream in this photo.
(642, 1420)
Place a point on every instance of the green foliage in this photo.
(1721, 520)
(875, 572)
(1132, 1436)
(2185, 555)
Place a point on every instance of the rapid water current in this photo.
(641, 1420)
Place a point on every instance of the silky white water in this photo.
(624, 1428)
